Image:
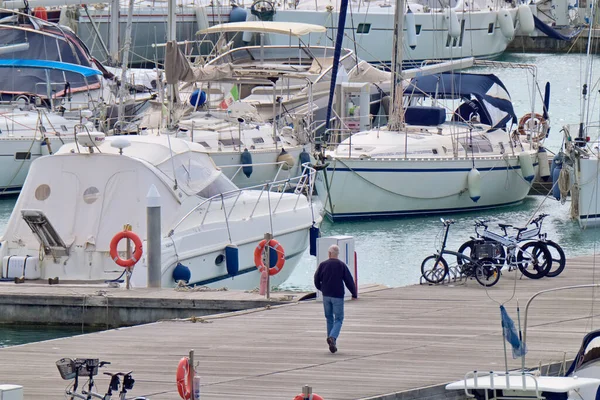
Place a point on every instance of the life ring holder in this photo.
(542, 122)
(184, 377)
(258, 259)
(135, 257)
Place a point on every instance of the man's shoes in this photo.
(331, 343)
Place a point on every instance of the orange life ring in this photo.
(258, 258)
(41, 13)
(185, 375)
(526, 118)
(311, 397)
(135, 257)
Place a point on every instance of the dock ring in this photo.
(258, 256)
(135, 257)
(184, 378)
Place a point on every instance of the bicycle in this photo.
(557, 254)
(434, 268)
(72, 369)
(533, 259)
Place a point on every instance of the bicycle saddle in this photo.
(504, 226)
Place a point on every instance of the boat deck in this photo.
(396, 343)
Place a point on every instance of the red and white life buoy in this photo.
(258, 256)
(135, 257)
(184, 376)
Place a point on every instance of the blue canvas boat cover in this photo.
(490, 93)
(48, 44)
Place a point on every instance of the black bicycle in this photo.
(434, 268)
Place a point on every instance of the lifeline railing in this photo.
(526, 382)
(301, 185)
(239, 168)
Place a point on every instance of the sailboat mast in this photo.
(123, 87)
(581, 137)
(396, 117)
(171, 35)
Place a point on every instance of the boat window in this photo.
(206, 181)
(434, 151)
(204, 144)
(42, 192)
(448, 40)
(230, 142)
(477, 144)
(592, 351)
(491, 28)
(22, 155)
(64, 128)
(257, 140)
(462, 33)
(418, 29)
(218, 186)
(91, 194)
(363, 28)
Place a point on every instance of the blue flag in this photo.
(510, 333)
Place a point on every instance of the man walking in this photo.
(330, 278)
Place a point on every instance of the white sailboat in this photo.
(449, 146)
(577, 168)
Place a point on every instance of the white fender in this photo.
(544, 166)
(507, 27)
(451, 22)
(247, 36)
(411, 29)
(474, 184)
(525, 17)
(526, 166)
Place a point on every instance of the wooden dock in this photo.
(401, 343)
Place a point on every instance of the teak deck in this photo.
(393, 340)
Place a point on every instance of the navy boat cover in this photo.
(490, 93)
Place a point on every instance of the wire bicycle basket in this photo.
(67, 368)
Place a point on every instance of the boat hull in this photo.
(356, 188)
(588, 179)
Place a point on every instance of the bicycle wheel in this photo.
(487, 272)
(534, 260)
(558, 258)
(434, 269)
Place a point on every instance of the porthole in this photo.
(42, 192)
(219, 260)
(91, 194)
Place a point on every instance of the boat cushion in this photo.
(421, 115)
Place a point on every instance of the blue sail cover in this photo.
(54, 65)
(491, 94)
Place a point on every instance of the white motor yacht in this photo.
(74, 203)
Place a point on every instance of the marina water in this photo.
(390, 251)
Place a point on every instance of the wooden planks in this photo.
(392, 341)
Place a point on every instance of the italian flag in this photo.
(232, 96)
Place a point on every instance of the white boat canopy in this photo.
(283, 28)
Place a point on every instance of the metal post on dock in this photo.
(128, 227)
(153, 237)
(306, 391)
(268, 238)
